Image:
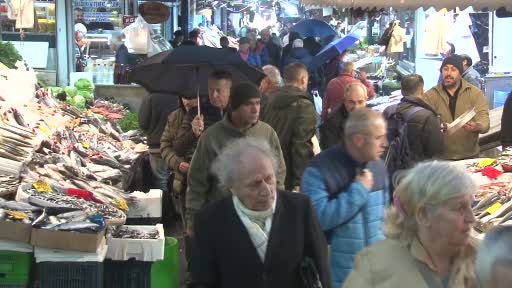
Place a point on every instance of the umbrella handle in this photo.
(197, 93)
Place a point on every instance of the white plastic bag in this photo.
(138, 37)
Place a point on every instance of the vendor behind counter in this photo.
(125, 61)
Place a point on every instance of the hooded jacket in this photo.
(291, 112)
(473, 77)
(300, 55)
(461, 144)
(332, 130)
(203, 186)
(424, 135)
(153, 116)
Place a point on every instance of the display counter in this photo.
(131, 95)
(492, 139)
(497, 87)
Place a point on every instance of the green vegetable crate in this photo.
(15, 268)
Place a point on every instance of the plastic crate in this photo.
(15, 268)
(127, 274)
(70, 274)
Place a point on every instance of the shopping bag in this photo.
(138, 37)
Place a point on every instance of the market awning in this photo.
(411, 4)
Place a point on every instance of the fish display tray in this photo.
(15, 268)
(70, 274)
(140, 249)
(127, 274)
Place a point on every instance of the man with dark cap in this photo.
(241, 121)
(453, 97)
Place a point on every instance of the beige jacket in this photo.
(396, 43)
(392, 264)
(461, 144)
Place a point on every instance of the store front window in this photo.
(32, 29)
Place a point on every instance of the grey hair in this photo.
(352, 87)
(494, 250)
(227, 165)
(360, 122)
(273, 74)
(427, 184)
(348, 67)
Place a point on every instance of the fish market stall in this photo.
(66, 164)
(493, 200)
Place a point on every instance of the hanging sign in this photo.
(154, 12)
(128, 19)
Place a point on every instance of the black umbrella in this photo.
(185, 70)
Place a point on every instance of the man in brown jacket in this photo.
(451, 98)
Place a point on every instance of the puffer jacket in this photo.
(461, 144)
(352, 215)
(291, 112)
(297, 55)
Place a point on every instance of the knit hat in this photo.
(454, 60)
(242, 93)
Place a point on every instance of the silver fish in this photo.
(75, 216)
(42, 218)
(76, 226)
(18, 206)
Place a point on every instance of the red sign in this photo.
(128, 19)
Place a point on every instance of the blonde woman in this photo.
(428, 234)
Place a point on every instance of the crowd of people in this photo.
(259, 204)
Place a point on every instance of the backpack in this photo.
(398, 154)
(386, 36)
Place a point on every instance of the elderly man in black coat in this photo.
(257, 236)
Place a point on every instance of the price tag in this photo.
(86, 145)
(121, 204)
(494, 208)
(486, 162)
(45, 130)
(42, 187)
(16, 214)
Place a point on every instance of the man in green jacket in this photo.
(291, 112)
(241, 121)
(450, 99)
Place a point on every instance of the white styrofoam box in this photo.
(141, 249)
(56, 255)
(145, 205)
(16, 246)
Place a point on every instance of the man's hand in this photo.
(362, 76)
(296, 189)
(366, 179)
(189, 232)
(198, 125)
(472, 127)
(184, 167)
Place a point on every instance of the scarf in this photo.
(257, 223)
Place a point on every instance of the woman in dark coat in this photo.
(257, 236)
(506, 123)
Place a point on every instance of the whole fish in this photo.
(41, 219)
(78, 225)
(19, 117)
(18, 206)
(75, 216)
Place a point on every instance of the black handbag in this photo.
(309, 274)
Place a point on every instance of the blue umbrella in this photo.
(334, 49)
(314, 28)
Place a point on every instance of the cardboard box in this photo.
(148, 250)
(14, 231)
(64, 240)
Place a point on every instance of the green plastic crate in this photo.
(15, 267)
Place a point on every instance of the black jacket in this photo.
(424, 134)
(291, 112)
(153, 115)
(506, 123)
(332, 130)
(274, 52)
(223, 255)
(300, 55)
